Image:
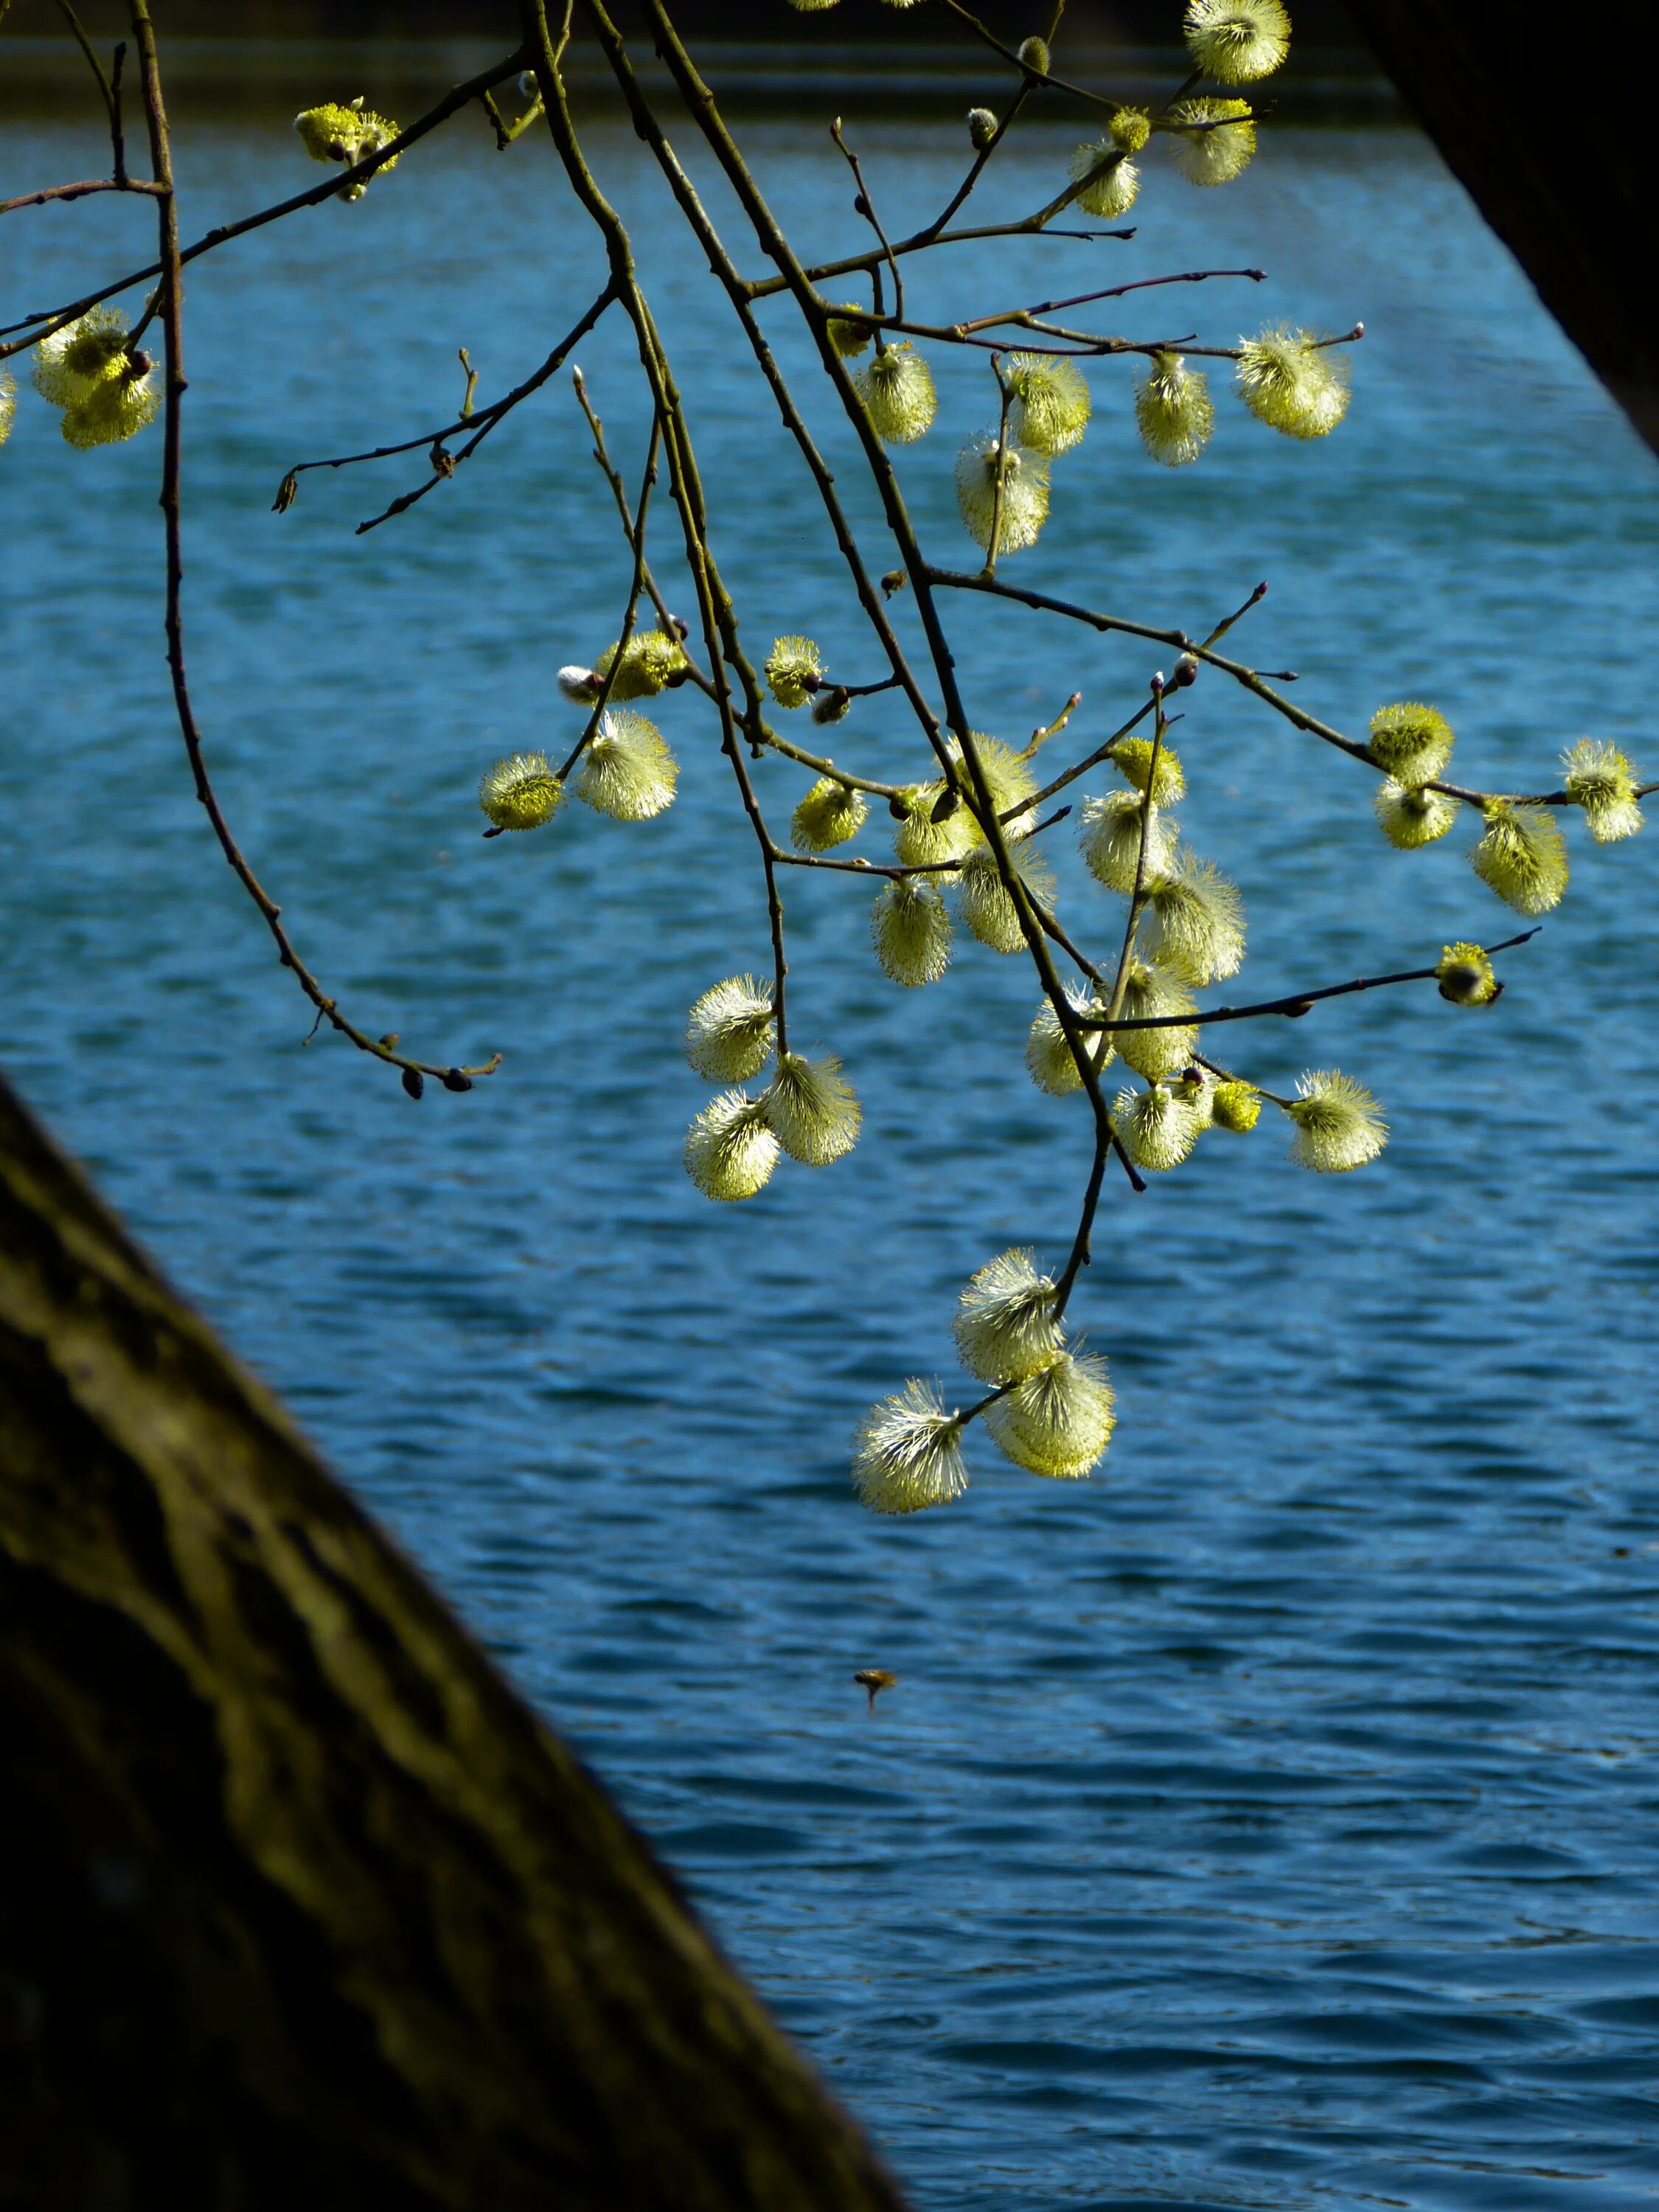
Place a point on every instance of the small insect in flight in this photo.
(875, 1680)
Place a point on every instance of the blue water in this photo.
(1268, 1821)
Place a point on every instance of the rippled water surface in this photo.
(1268, 1821)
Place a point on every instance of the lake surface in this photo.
(1268, 1821)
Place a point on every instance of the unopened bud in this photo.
(412, 1082)
(981, 128)
(454, 1080)
(1186, 671)
(946, 805)
(831, 705)
(1034, 54)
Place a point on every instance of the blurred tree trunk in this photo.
(299, 1904)
(1535, 125)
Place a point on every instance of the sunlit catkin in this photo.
(848, 339)
(1289, 381)
(627, 771)
(1051, 403)
(1411, 818)
(1151, 994)
(521, 792)
(1174, 411)
(1131, 127)
(1464, 975)
(1194, 922)
(1339, 1125)
(1237, 41)
(1522, 856)
(1235, 1105)
(793, 669)
(650, 661)
(1001, 487)
(910, 929)
(1133, 759)
(729, 1031)
(1108, 180)
(1005, 1326)
(908, 1452)
(69, 363)
(333, 133)
(1411, 743)
(1156, 1128)
(987, 908)
(897, 391)
(981, 129)
(811, 1108)
(730, 1151)
(1601, 780)
(1111, 839)
(115, 410)
(8, 404)
(829, 814)
(1049, 1059)
(1059, 1420)
(1215, 139)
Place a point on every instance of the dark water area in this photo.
(1268, 1821)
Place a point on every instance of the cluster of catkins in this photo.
(347, 134)
(626, 769)
(1521, 855)
(95, 374)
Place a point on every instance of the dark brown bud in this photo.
(413, 1082)
(454, 1080)
(899, 806)
(287, 492)
(831, 705)
(1186, 671)
(946, 805)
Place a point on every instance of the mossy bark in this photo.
(298, 1902)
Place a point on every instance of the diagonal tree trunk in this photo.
(299, 1904)
(1534, 123)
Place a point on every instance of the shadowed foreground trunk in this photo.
(299, 1904)
(1535, 125)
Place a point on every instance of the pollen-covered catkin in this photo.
(1291, 382)
(1059, 1420)
(1522, 856)
(811, 1108)
(1215, 139)
(897, 391)
(829, 814)
(1131, 127)
(1410, 743)
(1005, 1326)
(987, 906)
(70, 364)
(1410, 818)
(848, 339)
(1051, 403)
(729, 1029)
(730, 1151)
(793, 669)
(8, 404)
(650, 662)
(349, 134)
(1464, 974)
(1150, 995)
(1339, 1125)
(1194, 922)
(1237, 41)
(521, 792)
(1049, 1059)
(1601, 780)
(627, 771)
(115, 410)
(1108, 179)
(1005, 488)
(1111, 839)
(910, 929)
(1174, 411)
(908, 1452)
(1156, 1126)
(1235, 1105)
(1133, 759)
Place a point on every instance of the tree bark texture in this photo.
(1532, 123)
(299, 1904)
